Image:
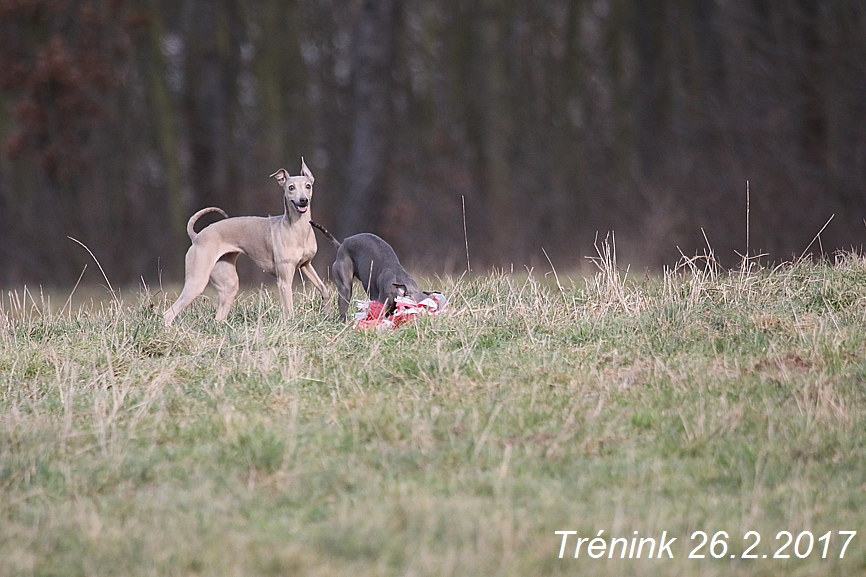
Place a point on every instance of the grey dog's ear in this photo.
(401, 289)
(282, 175)
(306, 171)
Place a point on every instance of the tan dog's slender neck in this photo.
(292, 217)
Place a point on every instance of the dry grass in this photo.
(701, 400)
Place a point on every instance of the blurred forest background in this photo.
(550, 119)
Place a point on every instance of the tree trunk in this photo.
(371, 142)
(211, 72)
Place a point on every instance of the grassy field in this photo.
(698, 401)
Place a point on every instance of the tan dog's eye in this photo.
(291, 187)
(309, 187)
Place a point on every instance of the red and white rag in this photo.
(371, 313)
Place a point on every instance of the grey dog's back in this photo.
(375, 264)
(378, 249)
(366, 247)
(364, 250)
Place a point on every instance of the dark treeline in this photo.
(549, 119)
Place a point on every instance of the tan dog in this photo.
(278, 245)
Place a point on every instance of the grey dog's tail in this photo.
(327, 234)
(194, 218)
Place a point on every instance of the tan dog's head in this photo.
(297, 190)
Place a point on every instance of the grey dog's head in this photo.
(297, 190)
(411, 290)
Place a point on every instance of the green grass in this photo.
(697, 401)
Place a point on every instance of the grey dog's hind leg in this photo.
(343, 277)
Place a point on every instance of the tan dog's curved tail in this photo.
(327, 234)
(194, 218)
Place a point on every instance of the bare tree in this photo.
(210, 99)
(372, 80)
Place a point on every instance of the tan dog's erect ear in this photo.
(306, 171)
(281, 175)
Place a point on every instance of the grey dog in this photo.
(371, 260)
(279, 245)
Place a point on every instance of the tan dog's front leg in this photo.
(310, 273)
(285, 275)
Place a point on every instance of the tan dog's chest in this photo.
(294, 245)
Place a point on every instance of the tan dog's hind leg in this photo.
(224, 278)
(310, 273)
(198, 266)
